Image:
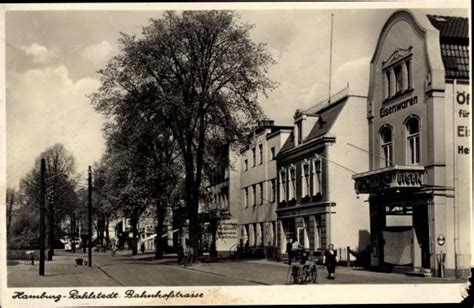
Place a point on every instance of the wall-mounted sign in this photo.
(385, 111)
(395, 177)
(409, 178)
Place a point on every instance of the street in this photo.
(143, 270)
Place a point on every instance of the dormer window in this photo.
(299, 131)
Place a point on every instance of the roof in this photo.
(454, 42)
(327, 118)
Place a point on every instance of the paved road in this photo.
(143, 270)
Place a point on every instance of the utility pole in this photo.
(90, 214)
(51, 223)
(42, 222)
(73, 233)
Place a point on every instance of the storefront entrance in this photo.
(400, 233)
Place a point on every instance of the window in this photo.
(397, 78)
(413, 141)
(261, 192)
(253, 157)
(254, 196)
(246, 164)
(272, 191)
(316, 170)
(272, 150)
(292, 189)
(246, 196)
(299, 128)
(388, 84)
(260, 151)
(282, 192)
(305, 180)
(386, 139)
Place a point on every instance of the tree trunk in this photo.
(134, 222)
(159, 242)
(107, 235)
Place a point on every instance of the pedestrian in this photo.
(295, 248)
(289, 251)
(190, 254)
(180, 253)
(330, 260)
(142, 247)
(114, 250)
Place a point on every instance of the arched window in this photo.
(413, 141)
(387, 146)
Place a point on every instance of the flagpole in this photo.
(330, 59)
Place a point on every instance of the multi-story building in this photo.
(317, 204)
(418, 115)
(221, 209)
(258, 180)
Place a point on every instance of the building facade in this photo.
(418, 115)
(258, 180)
(221, 209)
(316, 201)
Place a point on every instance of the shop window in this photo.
(316, 174)
(282, 192)
(387, 150)
(260, 152)
(413, 141)
(317, 232)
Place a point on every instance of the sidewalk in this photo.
(276, 273)
(59, 272)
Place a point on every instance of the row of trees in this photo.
(188, 84)
(173, 96)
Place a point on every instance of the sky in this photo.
(52, 58)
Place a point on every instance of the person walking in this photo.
(330, 260)
(142, 248)
(289, 251)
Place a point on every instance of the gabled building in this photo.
(316, 201)
(258, 180)
(419, 121)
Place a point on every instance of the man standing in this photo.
(288, 250)
(295, 250)
(330, 260)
